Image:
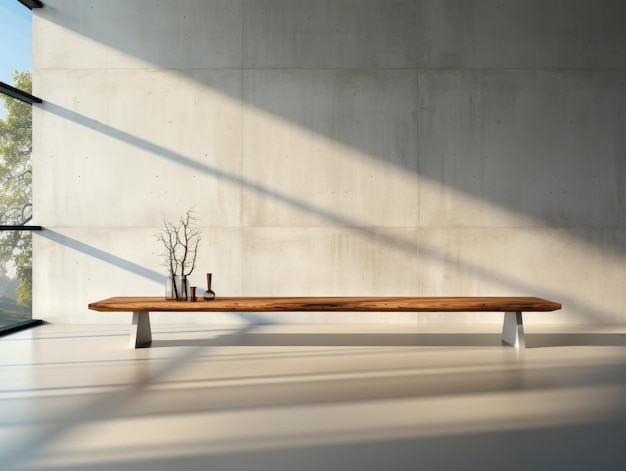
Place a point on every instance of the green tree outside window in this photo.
(15, 188)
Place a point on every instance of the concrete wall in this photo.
(333, 147)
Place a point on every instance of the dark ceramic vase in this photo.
(210, 294)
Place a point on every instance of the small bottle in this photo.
(210, 294)
(193, 292)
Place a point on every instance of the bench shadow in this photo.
(394, 340)
(575, 340)
(339, 340)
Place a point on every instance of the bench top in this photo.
(327, 303)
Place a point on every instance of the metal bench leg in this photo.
(513, 330)
(140, 333)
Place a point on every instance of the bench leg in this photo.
(140, 332)
(513, 330)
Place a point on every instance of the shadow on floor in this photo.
(573, 447)
(541, 340)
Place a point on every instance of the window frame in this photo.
(26, 97)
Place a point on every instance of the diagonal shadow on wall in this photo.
(540, 144)
(99, 254)
(490, 135)
(507, 281)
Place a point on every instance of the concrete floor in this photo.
(303, 397)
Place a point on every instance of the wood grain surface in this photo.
(316, 303)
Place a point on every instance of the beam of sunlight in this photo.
(268, 200)
(213, 433)
(81, 410)
(490, 277)
(118, 407)
(102, 255)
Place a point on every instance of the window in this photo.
(15, 163)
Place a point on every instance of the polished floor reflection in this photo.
(312, 398)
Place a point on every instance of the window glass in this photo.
(15, 206)
(16, 277)
(15, 40)
(15, 164)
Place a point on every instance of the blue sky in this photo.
(15, 40)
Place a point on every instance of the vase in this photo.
(210, 294)
(177, 288)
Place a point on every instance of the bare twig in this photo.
(181, 244)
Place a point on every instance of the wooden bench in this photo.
(512, 307)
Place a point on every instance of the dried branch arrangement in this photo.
(181, 245)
